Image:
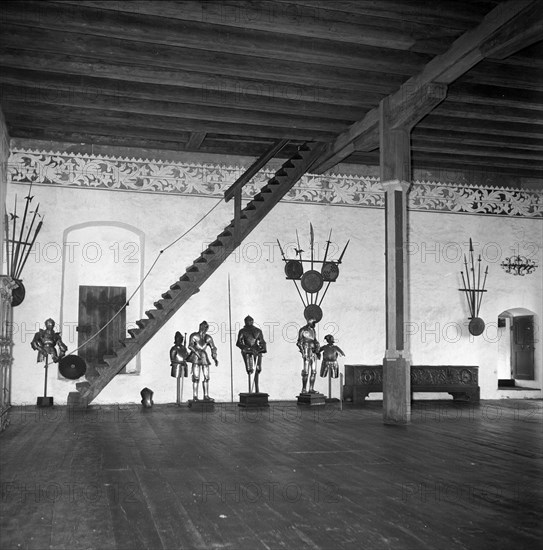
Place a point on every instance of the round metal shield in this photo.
(312, 281)
(72, 367)
(330, 271)
(294, 269)
(476, 326)
(313, 311)
(18, 294)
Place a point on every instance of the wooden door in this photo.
(523, 347)
(97, 306)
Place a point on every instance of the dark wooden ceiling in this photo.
(232, 77)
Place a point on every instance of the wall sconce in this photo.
(519, 265)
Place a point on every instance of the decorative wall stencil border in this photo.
(156, 176)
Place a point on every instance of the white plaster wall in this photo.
(439, 312)
(353, 307)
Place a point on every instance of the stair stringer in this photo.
(198, 272)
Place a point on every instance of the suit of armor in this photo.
(46, 341)
(252, 345)
(178, 357)
(309, 348)
(330, 353)
(198, 344)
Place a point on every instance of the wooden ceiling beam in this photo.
(476, 139)
(126, 106)
(462, 150)
(126, 52)
(291, 21)
(473, 126)
(43, 83)
(523, 30)
(206, 83)
(443, 69)
(482, 94)
(202, 35)
(486, 112)
(457, 14)
(29, 115)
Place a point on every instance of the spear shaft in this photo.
(18, 268)
(31, 245)
(13, 238)
(28, 198)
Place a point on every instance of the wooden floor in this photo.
(458, 477)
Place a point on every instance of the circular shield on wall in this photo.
(72, 367)
(313, 311)
(18, 294)
(476, 326)
(330, 271)
(312, 281)
(294, 269)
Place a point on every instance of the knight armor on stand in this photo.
(198, 344)
(309, 348)
(252, 345)
(178, 357)
(330, 353)
(46, 341)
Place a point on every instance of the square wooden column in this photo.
(397, 360)
(395, 177)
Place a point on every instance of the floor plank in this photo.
(458, 477)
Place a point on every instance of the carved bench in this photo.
(462, 382)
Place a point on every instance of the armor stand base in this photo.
(201, 405)
(253, 400)
(45, 401)
(311, 399)
(330, 399)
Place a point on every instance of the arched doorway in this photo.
(516, 347)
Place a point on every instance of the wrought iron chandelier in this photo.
(519, 265)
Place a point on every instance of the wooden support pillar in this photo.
(395, 179)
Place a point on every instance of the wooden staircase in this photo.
(245, 220)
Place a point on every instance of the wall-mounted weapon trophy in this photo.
(312, 281)
(19, 243)
(178, 362)
(45, 342)
(474, 291)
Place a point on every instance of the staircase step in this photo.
(142, 323)
(200, 260)
(83, 387)
(152, 313)
(103, 370)
(225, 233)
(158, 304)
(134, 332)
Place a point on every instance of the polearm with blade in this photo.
(6, 226)
(325, 257)
(38, 228)
(338, 262)
(481, 291)
(467, 288)
(18, 250)
(285, 259)
(19, 268)
(473, 288)
(14, 215)
(312, 241)
(299, 254)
